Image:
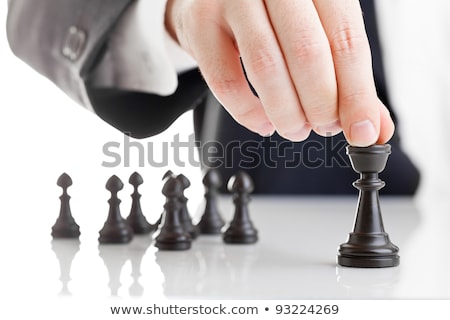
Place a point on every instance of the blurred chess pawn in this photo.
(116, 229)
(185, 217)
(211, 221)
(241, 229)
(171, 235)
(136, 219)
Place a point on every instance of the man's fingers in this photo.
(309, 62)
(220, 65)
(387, 127)
(308, 56)
(266, 68)
(359, 108)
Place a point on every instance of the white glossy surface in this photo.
(294, 259)
(43, 133)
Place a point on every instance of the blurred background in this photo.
(44, 133)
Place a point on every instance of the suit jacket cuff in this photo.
(63, 39)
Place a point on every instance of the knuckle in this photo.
(199, 8)
(354, 98)
(263, 61)
(224, 87)
(348, 41)
(245, 115)
(276, 112)
(321, 112)
(306, 49)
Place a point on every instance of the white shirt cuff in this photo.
(141, 54)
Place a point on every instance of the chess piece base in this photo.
(69, 232)
(368, 251)
(368, 262)
(115, 236)
(233, 238)
(173, 239)
(174, 246)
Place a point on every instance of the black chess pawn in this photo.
(65, 226)
(171, 235)
(115, 229)
(211, 221)
(368, 245)
(241, 229)
(168, 174)
(136, 219)
(185, 217)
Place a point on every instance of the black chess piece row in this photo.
(116, 229)
(368, 244)
(175, 230)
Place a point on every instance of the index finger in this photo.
(359, 106)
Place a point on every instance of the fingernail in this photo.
(363, 134)
(299, 135)
(329, 129)
(266, 130)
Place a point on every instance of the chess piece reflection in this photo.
(114, 257)
(368, 245)
(181, 272)
(356, 283)
(65, 251)
(137, 250)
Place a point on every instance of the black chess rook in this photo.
(368, 246)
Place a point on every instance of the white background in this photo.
(43, 133)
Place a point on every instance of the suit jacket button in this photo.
(74, 43)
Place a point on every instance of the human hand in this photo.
(309, 62)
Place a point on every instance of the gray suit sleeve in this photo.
(62, 39)
(65, 39)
